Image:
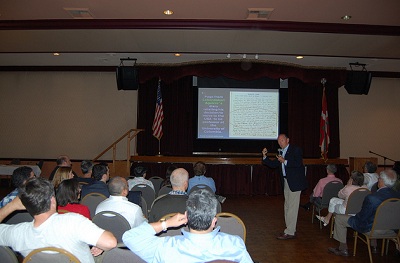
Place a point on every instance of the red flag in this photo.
(159, 114)
(324, 128)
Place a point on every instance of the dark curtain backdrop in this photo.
(304, 111)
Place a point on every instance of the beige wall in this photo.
(45, 114)
(371, 122)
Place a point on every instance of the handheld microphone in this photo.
(279, 151)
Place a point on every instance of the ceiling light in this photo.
(56, 54)
(177, 55)
(299, 57)
(346, 17)
(168, 12)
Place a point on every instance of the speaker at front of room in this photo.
(127, 78)
(358, 82)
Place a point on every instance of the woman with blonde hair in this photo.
(62, 173)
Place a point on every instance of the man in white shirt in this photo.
(140, 178)
(370, 175)
(70, 231)
(117, 202)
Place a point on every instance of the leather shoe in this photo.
(338, 252)
(284, 236)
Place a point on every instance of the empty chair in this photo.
(200, 186)
(231, 224)
(354, 204)
(121, 254)
(113, 222)
(165, 190)
(157, 181)
(331, 189)
(50, 255)
(385, 226)
(147, 193)
(18, 217)
(92, 200)
(7, 255)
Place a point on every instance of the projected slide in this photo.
(238, 113)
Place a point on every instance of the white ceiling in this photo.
(31, 30)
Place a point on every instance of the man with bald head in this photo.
(174, 201)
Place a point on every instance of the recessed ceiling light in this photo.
(168, 12)
(56, 54)
(177, 55)
(299, 57)
(346, 17)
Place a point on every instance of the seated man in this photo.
(202, 243)
(117, 202)
(174, 201)
(139, 178)
(18, 178)
(370, 175)
(62, 161)
(87, 170)
(362, 221)
(70, 231)
(319, 188)
(101, 175)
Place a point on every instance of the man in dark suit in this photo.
(363, 220)
(290, 163)
(101, 174)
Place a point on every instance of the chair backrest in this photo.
(157, 182)
(165, 190)
(135, 197)
(200, 186)
(113, 222)
(50, 255)
(172, 231)
(92, 200)
(231, 224)
(121, 255)
(355, 200)
(387, 215)
(144, 207)
(147, 192)
(331, 189)
(18, 217)
(7, 255)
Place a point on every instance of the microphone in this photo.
(279, 151)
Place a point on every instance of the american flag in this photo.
(324, 128)
(159, 115)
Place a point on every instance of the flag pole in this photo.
(159, 147)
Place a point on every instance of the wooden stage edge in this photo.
(223, 160)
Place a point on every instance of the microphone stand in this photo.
(384, 158)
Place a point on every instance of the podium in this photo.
(357, 163)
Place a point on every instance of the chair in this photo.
(172, 231)
(354, 204)
(7, 255)
(50, 255)
(231, 224)
(18, 217)
(148, 193)
(200, 186)
(157, 181)
(165, 190)
(113, 222)
(386, 223)
(92, 200)
(121, 254)
(144, 207)
(331, 189)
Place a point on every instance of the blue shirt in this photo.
(9, 197)
(201, 179)
(188, 247)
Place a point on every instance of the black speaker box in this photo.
(127, 78)
(358, 82)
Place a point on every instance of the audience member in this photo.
(396, 168)
(67, 196)
(168, 173)
(62, 173)
(62, 161)
(139, 178)
(319, 188)
(362, 221)
(338, 204)
(199, 177)
(101, 175)
(71, 231)
(175, 200)
(370, 175)
(202, 243)
(117, 202)
(18, 179)
(86, 168)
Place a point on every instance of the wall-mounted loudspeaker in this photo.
(358, 82)
(127, 78)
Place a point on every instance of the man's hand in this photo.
(177, 220)
(17, 204)
(96, 251)
(264, 152)
(280, 158)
